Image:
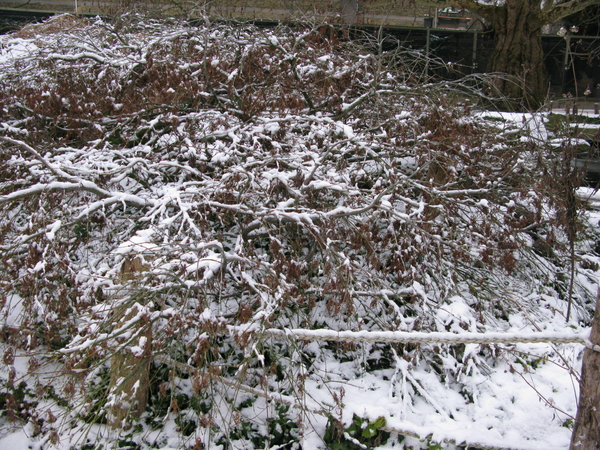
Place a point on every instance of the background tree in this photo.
(517, 25)
(586, 434)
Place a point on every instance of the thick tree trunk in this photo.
(518, 53)
(586, 432)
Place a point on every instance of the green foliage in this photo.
(568, 424)
(89, 447)
(17, 402)
(127, 442)
(434, 446)
(362, 434)
(97, 390)
(281, 432)
(80, 230)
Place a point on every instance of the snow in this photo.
(53, 229)
(140, 243)
(459, 336)
(346, 129)
(12, 310)
(16, 49)
(531, 123)
(21, 439)
(211, 264)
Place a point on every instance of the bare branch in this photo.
(562, 10)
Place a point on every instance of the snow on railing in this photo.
(417, 337)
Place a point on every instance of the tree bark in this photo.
(518, 53)
(586, 431)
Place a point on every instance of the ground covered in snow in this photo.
(188, 212)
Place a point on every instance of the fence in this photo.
(573, 62)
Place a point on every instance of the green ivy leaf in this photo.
(379, 423)
(369, 431)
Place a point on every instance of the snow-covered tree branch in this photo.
(172, 200)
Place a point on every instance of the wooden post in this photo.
(130, 370)
(596, 108)
(586, 431)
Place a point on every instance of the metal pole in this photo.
(566, 63)
(427, 43)
(474, 56)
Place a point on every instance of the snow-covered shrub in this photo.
(177, 193)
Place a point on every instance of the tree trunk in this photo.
(586, 432)
(518, 53)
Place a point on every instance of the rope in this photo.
(417, 337)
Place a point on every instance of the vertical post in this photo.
(474, 55)
(566, 63)
(596, 108)
(427, 46)
(586, 432)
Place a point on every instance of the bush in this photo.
(172, 192)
